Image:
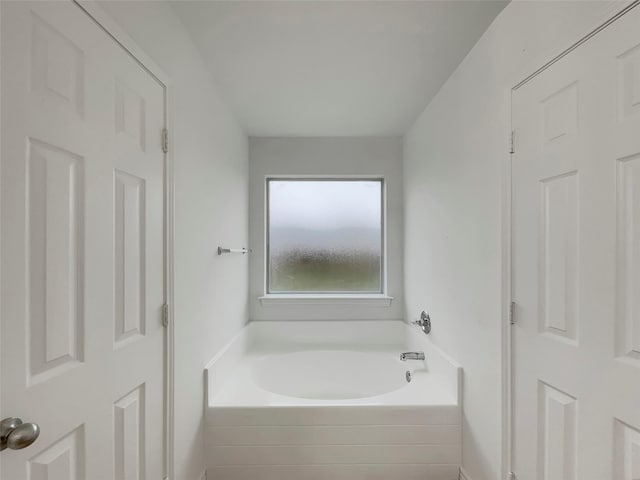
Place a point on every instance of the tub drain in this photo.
(408, 375)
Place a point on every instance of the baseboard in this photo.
(464, 475)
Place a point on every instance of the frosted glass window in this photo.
(324, 236)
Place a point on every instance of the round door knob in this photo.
(16, 435)
(23, 436)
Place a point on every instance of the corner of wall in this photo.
(464, 475)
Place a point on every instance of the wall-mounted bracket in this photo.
(233, 250)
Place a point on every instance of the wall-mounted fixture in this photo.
(424, 323)
(233, 250)
(411, 356)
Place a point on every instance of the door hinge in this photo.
(512, 476)
(165, 315)
(165, 140)
(512, 313)
(512, 142)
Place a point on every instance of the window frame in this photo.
(312, 297)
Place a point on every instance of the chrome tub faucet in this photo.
(411, 356)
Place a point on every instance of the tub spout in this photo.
(411, 356)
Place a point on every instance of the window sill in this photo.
(373, 300)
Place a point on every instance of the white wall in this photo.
(455, 156)
(380, 156)
(210, 156)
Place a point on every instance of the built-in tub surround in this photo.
(330, 400)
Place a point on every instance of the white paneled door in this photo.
(82, 249)
(576, 263)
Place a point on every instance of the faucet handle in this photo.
(424, 323)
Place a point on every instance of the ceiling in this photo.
(333, 68)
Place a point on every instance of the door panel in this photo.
(576, 215)
(82, 249)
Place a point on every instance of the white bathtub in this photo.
(329, 374)
(330, 400)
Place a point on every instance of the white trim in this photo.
(373, 300)
(113, 29)
(630, 5)
(506, 298)
(463, 474)
(170, 296)
(611, 11)
(1, 259)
